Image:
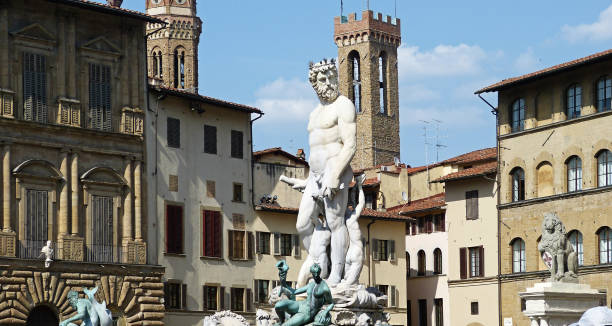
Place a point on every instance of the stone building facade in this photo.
(73, 158)
(172, 49)
(555, 145)
(367, 58)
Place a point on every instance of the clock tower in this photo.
(172, 52)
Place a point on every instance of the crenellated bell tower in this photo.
(172, 52)
(367, 58)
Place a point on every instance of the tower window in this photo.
(179, 68)
(382, 72)
(356, 77)
(157, 64)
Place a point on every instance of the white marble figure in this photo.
(354, 256)
(47, 252)
(332, 137)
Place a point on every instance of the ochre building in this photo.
(555, 156)
(72, 96)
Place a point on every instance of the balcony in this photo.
(71, 249)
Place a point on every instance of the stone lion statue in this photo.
(557, 251)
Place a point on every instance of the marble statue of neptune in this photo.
(332, 136)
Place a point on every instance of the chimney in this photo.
(301, 154)
(114, 3)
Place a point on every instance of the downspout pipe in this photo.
(370, 254)
(253, 161)
(495, 112)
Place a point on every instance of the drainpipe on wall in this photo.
(253, 162)
(370, 255)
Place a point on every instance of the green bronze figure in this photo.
(89, 310)
(309, 310)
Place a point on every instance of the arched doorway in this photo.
(42, 316)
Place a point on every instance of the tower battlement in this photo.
(348, 30)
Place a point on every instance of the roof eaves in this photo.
(109, 9)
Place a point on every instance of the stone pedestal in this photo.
(559, 304)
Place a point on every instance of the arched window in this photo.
(574, 101)
(421, 267)
(605, 245)
(518, 184)
(574, 173)
(545, 179)
(179, 68)
(160, 70)
(604, 93)
(155, 64)
(382, 73)
(437, 261)
(575, 238)
(355, 69)
(517, 115)
(518, 255)
(604, 168)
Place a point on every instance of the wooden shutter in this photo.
(249, 300)
(218, 240)
(391, 248)
(481, 260)
(256, 290)
(184, 296)
(210, 139)
(442, 222)
(222, 298)
(173, 127)
(295, 239)
(35, 87)
(277, 244)
(258, 241)
(414, 228)
(166, 295)
(250, 245)
(237, 144)
(204, 297)
(475, 204)
(375, 253)
(230, 244)
(463, 262)
(393, 295)
(468, 205)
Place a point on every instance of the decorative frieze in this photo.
(7, 244)
(71, 248)
(7, 98)
(132, 121)
(134, 252)
(69, 112)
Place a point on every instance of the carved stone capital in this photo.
(7, 243)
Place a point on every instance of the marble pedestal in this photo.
(559, 304)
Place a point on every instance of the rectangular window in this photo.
(263, 243)
(211, 234)
(439, 312)
(421, 226)
(34, 87)
(100, 97)
(101, 247)
(286, 245)
(474, 308)
(237, 299)
(173, 132)
(476, 261)
(439, 223)
(240, 244)
(463, 263)
(174, 229)
(471, 205)
(370, 202)
(237, 192)
(261, 291)
(211, 297)
(237, 144)
(210, 139)
(175, 295)
(422, 312)
(36, 223)
(210, 189)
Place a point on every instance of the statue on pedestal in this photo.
(89, 310)
(557, 252)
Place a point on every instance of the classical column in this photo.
(63, 204)
(127, 203)
(6, 188)
(137, 201)
(74, 189)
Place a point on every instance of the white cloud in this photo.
(285, 101)
(600, 30)
(443, 60)
(526, 61)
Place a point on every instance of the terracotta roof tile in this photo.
(280, 151)
(547, 71)
(368, 182)
(205, 99)
(423, 204)
(474, 156)
(110, 9)
(365, 213)
(477, 170)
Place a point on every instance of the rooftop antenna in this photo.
(426, 148)
(341, 9)
(438, 144)
(395, 12)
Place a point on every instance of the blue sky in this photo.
(256, 53)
